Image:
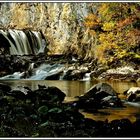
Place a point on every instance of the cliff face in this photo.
(61, 23)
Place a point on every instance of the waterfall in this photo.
(22, 42)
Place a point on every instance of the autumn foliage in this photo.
(116, 26)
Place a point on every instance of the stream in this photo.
(77, 88)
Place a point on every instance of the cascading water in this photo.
(23, 42)
(40, 73)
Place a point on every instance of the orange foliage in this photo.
(134, 37)
(126, 22)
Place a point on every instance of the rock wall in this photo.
(61, 23)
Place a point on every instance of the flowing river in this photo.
(76, 88)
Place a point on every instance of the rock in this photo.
(96, 73)
(121, 70)
(49, 94)
(54, 76)
(101, 87)
(136, 128)
(99, 96)
(122, 74)
(3, 101)
(120, 128)
(17, 94)
(56, 92)
(4, 87)
(74, 75)
(133, 94)
(29, 118)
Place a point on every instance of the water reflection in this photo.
(70, 88)
(132, 113)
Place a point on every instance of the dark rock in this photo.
(99, 96)
(120, 128)
(6, 131)
(136, 128)
(105, 88)
(54, 76)
(5, 87)
(3, 101)
(17, 94)
(49, 94)
(56, 92)
(26, 114)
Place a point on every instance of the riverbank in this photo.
(61, 67)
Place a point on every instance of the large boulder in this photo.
(101, 95)
(49, 94)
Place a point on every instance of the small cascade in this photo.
(44, 71)
(47, 70)
(86, 77)
(63, 74)
(22, 42)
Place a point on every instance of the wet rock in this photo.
(74, 75)
(100, 96)
(133, 94)
(54, 76)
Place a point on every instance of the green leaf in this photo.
(44, 124)
(43, 110)
(55, 110)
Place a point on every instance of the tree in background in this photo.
(116, 29)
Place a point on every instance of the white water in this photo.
(21, 44)
(15, 76)
(46, 70)
(86, 77)
(40, 73)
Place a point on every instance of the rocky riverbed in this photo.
(61, 67)
(43, 113)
